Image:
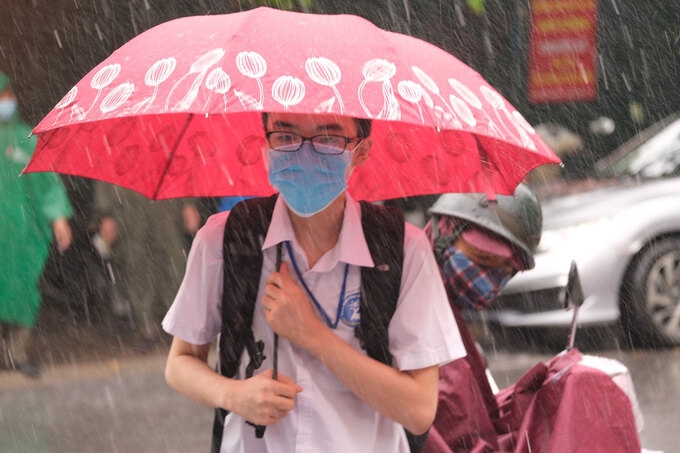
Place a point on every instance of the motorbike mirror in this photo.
(573, 297)
(573, 294)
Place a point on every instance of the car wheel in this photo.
(650, 310)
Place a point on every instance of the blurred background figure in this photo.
(34, 208)
(566, 143)
(480, 246)
(147, 243)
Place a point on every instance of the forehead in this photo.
(6, 93)
(306, 124)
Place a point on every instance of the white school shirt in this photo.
(327, 417)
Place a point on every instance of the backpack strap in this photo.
(384, 232)
(244, 234)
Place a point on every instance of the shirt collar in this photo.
(351, 247)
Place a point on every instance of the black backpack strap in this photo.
(244, 234)
(384, 232)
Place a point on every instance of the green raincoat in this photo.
(28, 206)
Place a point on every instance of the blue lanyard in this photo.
(326, 318)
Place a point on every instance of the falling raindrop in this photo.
(616, 7)
(99, 32)
(56, 35)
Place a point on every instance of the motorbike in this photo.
(574, 402)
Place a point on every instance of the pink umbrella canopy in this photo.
(176, 111)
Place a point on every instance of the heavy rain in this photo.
(582, 333)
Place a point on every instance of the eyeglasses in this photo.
(290, 142)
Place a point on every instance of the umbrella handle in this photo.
(275, 359)
(259, 429)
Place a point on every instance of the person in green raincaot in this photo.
(33, 208)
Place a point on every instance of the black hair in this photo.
(363, 125)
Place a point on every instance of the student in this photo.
(480, 246)
(329, 395)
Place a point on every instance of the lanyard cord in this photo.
(326, 318)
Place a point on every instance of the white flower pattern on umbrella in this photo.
(325, 72)
(199, 67)
(325, 106)
(465, 93)
(219, 82)
(375, 70)
(102, 79)
(77, 112)
(288, 90)
(65, 102)
(157, 74)
(462, 109)
(496, 101)
(427, 81)
(473, 100)
(412, 92)
(391, 109)
(253, 65)
(523, 122)
(117, 97)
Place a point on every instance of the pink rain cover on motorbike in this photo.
(576, 409)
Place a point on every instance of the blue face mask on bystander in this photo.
(8, 108)
(308, 181)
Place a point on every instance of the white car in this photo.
(623, 230)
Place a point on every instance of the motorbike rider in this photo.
(479, 244)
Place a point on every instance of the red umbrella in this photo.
(176, 111)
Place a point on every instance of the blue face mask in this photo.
(8, 108)
(307, 180)
(473, 286)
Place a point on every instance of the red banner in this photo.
(562, 59)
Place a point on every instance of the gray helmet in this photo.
(517, 218)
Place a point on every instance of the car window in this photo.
(655, 158)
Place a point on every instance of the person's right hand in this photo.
(62, 234)
(264, 400)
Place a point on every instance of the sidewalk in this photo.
(63, 374)
(67, 347)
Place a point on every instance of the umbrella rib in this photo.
(486, 170)
(172, 154)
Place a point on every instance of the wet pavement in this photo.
(98, 393)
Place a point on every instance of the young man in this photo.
(329, 394)
(479, 246)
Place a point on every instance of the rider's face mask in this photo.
(308, 181)
(471, 285)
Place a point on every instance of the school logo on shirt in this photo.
(350, 310)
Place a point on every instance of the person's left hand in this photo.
(288, 310)
(62, 234)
